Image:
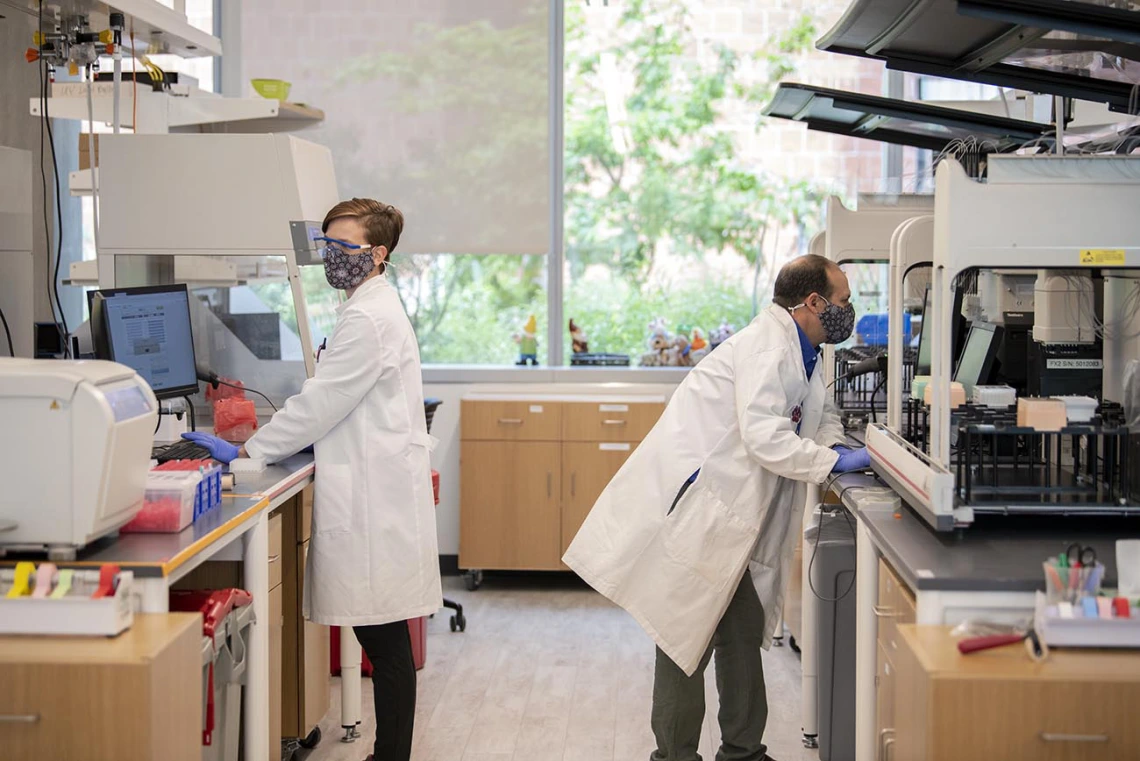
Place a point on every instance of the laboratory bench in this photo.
(908, 574)
(240, 538)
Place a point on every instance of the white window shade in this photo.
(440, 108)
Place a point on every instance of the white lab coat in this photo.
(373, 558)
(735, 418)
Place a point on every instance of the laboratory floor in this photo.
(548, 670)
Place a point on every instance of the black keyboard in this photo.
(182, 450)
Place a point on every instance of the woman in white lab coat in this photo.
(373, 561)
(705, 560)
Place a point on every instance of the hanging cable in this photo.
(8, 333)
(45, 127)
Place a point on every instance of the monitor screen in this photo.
(148, 330)
(977, 357)
(923, 367)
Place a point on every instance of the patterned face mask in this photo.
(838, 322)
(344, 270)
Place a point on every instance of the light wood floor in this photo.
(550, 671)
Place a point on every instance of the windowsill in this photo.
(512, 374)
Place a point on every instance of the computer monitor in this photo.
(923, 363)
(147, 329)
(957, 333)
(976, 365)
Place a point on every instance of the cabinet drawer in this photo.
(606, 421)
(1037, 720)
(137, 696)
(896, 606)
(510, 421)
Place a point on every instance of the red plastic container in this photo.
(417, 628)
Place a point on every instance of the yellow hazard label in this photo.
(1102, 257)
(55, 405)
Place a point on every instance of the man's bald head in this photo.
(803, 276)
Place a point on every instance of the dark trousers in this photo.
(679, 700)
(389, 648)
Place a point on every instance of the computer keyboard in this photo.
(182, 450)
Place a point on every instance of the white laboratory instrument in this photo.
(74, 453)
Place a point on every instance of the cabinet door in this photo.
(509, 506)
(586, 470)
(884, 704)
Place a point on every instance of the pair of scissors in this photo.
(1077, 556)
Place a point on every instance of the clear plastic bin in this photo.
(168, 505)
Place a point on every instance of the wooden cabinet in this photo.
(516, 487)
(999, 704)
(586, 470)
(134, 697)
(532, 468)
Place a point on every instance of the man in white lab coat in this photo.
(695, 535)
(373, 562)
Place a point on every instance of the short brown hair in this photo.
(800, 278)
(382, 222)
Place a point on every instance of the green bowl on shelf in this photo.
(274, 89)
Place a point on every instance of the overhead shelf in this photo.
(158, 29)
(889, 120)
(160, 112)
(931, 37)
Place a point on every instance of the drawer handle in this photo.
(1052, 737)
(573, 483)
(510, 421)
(549, 484)
(274, 558)
(881, 612)
(31, 718)
(614, 422)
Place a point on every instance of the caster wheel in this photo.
(473, 580)
(313, 740)
(458, 623)
(793, 644)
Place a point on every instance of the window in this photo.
(677, 203)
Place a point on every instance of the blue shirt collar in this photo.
(811, 353)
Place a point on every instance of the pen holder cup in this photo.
(1071, 584)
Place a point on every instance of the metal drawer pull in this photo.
(881, 612)
(31, 718)
(274, 558)
(510, 421)
(1051, 737)
(614, 422)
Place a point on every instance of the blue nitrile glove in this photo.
(851, 459)
(220, 449)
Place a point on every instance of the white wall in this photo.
(445, 427)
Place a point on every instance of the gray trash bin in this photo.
(833, 580)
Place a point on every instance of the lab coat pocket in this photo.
(703, 534)
(332, 508)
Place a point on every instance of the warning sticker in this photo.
(1102, 257)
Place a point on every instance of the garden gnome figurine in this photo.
(528, 343)
(578, 338)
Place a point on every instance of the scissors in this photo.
(1077, 556)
